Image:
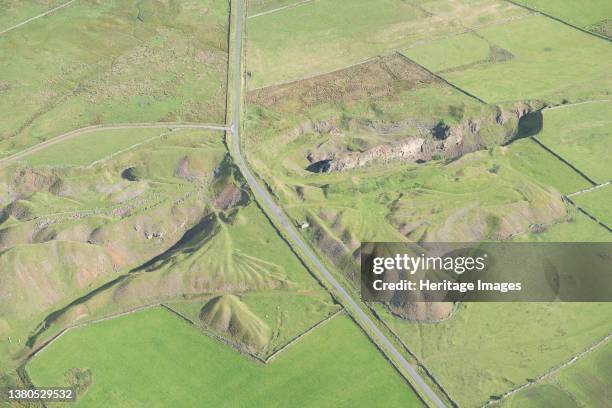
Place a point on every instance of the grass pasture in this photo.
(154, 359)
(478, 353)
(592, 15)
(532, 160)
(327, 35)
(597, 202)
(581, 135)
(588, 381)
(85, 149)
(529, 58)
(113, 62)
(265, 6)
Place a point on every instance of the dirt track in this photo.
(78, 132)
(46, 13)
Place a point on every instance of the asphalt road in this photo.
(281, 218)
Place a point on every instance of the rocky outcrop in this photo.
(432, 141)
(443, 142)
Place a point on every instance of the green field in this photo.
(530, 58)
(585, 383)
(88, 148)
(480, 353)
(597, 202)
(593, 15)
(152, 358)
(326, 35)
(533, 161)
(113, 62)
(452, 52)
(581, 135)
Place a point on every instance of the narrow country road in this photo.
(282, 220)
(97, 128)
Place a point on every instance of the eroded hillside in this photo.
(167, 221)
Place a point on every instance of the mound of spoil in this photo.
(227, 314)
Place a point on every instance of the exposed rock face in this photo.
(427, 141)
(517, 111)
(444, 141)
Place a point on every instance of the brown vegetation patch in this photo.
(80, 379)
(604, 28)
(27, 180)
(228, 198)
(377, 78)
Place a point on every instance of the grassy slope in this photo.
(88, 148)
(151, 61)
(597, 202)
(326, 35)
(59, 258)
(535, 162)
(244, 257)
(581, 135)
(334, 366)
(431, 192)
(589, 381)
(550, 61)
